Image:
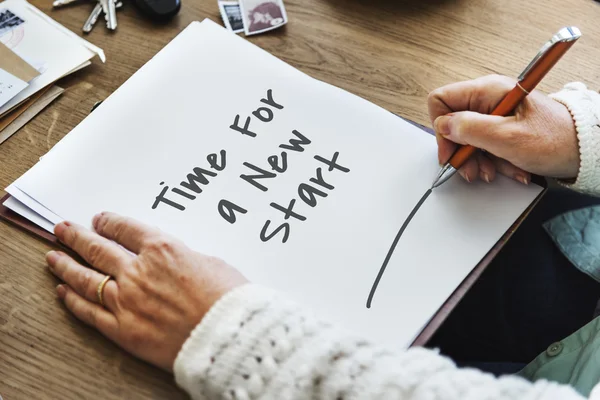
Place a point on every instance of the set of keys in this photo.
(107, 7)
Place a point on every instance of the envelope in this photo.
(15, 65)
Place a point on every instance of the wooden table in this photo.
(389, 52)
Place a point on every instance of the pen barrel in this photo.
(461, 156)
(545, 64)
(510, 102)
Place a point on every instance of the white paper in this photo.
(178, 108)
(32, 205)
(93, 48)
(10, 86)
(40, 38)
(21, 209)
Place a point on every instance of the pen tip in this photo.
(443, 175)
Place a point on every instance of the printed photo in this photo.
(8, 21)
(231, 15)
(263, 15)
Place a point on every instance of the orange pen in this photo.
(541, 64)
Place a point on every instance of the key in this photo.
(111, 15)
(93, 18)
(104, 5)
(62, 3)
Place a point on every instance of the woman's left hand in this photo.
(157, 295)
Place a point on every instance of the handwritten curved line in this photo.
(391, 250)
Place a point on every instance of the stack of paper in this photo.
(35, 51)
(299, 184)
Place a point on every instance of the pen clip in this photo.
(567, 34)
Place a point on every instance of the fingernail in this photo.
(60, 229)
(61, 291)
(486, 177)
(467, 177)
(442, 125)
(96, 219)
(523, 179)
(51, 257)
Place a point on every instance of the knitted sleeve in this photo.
(584, 106)
(255, 344)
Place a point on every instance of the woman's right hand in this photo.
(539, 138)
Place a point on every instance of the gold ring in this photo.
(100, 290)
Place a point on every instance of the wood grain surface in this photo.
(389, 52)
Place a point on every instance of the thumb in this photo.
(487, 132)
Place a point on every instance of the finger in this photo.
(128, 232)
(507, 169)
(83, 280)
(489, 132)
(470, 170)
(90, 313)
(445, 149)
(100, 252)
(480, 95)
(487, 169)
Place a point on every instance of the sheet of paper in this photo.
(32, 204)
(21, 209)
(10, 86)
(340, 177)
(40, 38)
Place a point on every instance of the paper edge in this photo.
(24, 198)
(16, 206)
(44, 101)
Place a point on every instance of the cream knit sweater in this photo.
(255, 344)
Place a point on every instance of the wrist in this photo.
(584, 108)
(568, 170)
(209, 351)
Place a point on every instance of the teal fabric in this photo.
(575, 360)
(577, 234)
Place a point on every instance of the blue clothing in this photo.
(577, 235)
